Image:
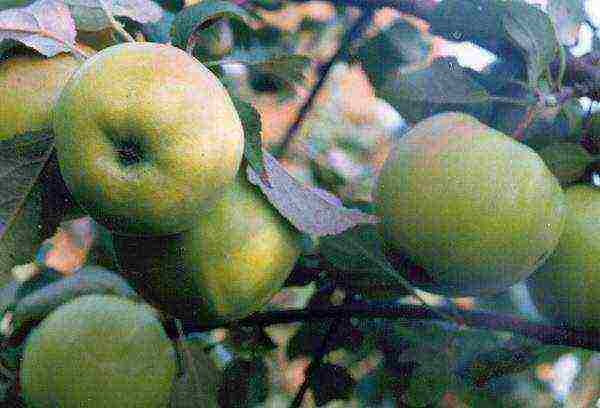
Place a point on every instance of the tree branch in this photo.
(353, 32)
(545, 333)
(319, 355)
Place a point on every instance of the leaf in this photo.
(6, 4)
(330, 382)
(352, 269)
(306, 209)
(23, 159)
(160, 31)
(251, 122)
(532, 31)
(428, 383)
(288, 68)
(89, 280)
(568, 16)
(503, 360)
(445, 81)
(191, 19)
(45, 26)
(251, 340)
(44, 277)
(8, 294)
(479, 21)
(93, 15)
(397, 45)
(308, 339)
(197, 386)
(67, 250)
(245, 383)
(567, 161)
(442, 86)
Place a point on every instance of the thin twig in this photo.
(333, 326)
(352, 33)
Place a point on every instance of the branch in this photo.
(545, 333)
(353, 32)
(316, 362)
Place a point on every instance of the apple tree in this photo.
(267, 203)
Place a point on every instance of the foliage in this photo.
(323, 92)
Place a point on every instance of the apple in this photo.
(567, 287)
(98, 351)
(147, 138)
(233, 260)
(477, 210)
(31, 83)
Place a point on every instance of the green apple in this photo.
(98, 351)
(476, 209)
(567, 286)
(30, 85)
(231, 262)
(147, 138)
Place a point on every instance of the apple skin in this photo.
(147, 138)
(230, 264)
(98, 351)
(476, 209)
(31, 84)
(567, 287)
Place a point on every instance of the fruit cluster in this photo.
(478, 211)
(149, 143)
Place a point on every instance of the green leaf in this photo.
(532, 31)
(479, 21)
(23, 159)
(567, 161)
(360, 258)
(395, 46)
(289, 68)
(197, 386)
(442, 86)
(308, 339)
(361, 274)
(201, 15)
(252, 125)
(330, 382)
(8, 295)
(445, 81)
(250, 341)
(429, 382)
(507, 359)
(283, 70)
(245, 384)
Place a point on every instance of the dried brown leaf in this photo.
(46, 25)
(310, 211)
